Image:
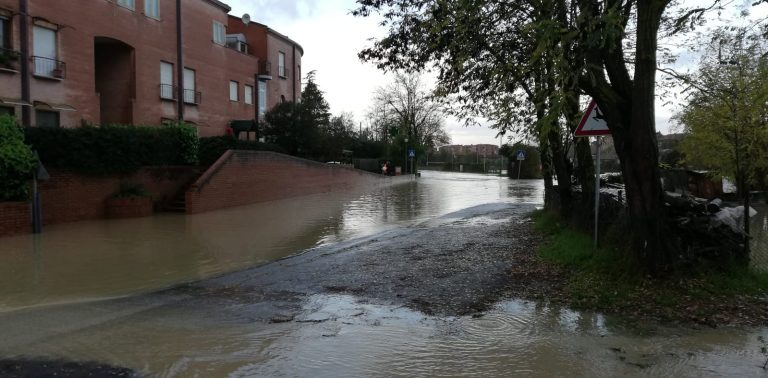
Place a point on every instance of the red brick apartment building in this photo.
(64, 63)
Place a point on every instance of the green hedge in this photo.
(213, 147)
(16, 161)
(114, 149)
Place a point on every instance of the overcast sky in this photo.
(331, 39)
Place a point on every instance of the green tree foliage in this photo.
(297, 127)
(16, 161)
(525, 62)
(407, 105)
(405, 109)
(338, 138)
(530, 168)
(114, 149)
(726, 119)
(283, 128)
(368, 146)
(212, 148)
(309, 130)
(315, 109)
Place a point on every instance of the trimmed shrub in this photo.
(131, 189)
(212, 148)
(17, 161)
(114, 149)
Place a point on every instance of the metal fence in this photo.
(758, 229)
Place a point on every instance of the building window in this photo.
(233, 90)
(152, 8)
(248, 94)
(5, 32)
(130, 4)
(166, 81)
(219, 33)
(45, 118)
(262, 98)
(6, 110)
(281, 64)
(190, 96)
(44, 47)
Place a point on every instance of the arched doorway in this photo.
(115, 80)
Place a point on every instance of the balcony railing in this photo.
(192, 97)
(168, 92)
(265, 68)
(49, 67)
(9, 59)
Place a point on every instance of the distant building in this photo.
(67, 63)
(610, 160)
(479, 149)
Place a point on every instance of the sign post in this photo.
(520, 157)
(593, 124)
(411, 155)
(40, 174)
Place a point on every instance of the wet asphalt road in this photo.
(457, 264)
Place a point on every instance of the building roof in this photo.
(274, 33)
(219, 4)
(285, 38)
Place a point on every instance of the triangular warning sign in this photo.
(593, 122)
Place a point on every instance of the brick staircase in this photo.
(178, 204)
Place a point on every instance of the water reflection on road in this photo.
(100, 259)
(336, 335)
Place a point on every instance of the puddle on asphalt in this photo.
(341, 335)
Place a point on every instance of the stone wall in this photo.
(245, 177)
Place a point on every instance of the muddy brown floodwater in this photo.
(95, 293)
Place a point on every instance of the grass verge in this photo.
(607, 280)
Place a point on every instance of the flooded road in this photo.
(184, 334)
(93, 260)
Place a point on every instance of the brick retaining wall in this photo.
(237, 178)
(70, 197)
(15, 218)
(245, 177)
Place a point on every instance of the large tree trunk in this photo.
(638, 150)
(585, 169)
(561, 169)
(551, 130)
(546, 171)
(628, 106)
